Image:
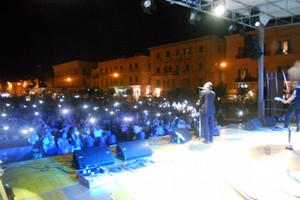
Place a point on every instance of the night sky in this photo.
(37, 34)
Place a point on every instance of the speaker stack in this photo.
(252, 46)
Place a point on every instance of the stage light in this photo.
(255, 20)
(193, 17)
(219, 9)
(232, 28)
(148, 6)
(147, 3)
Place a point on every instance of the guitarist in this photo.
(294, 101)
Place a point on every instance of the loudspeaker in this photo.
(100, 155)
(183, 135)
(268, 121)
(133, 149)
(252, 46)
(253, 124)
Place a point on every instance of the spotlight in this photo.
(148, 6)
(255, 19)
(193, 17)
(232, 28)
(219, 9)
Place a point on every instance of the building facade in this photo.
(73, 76)
(122, 74)
(186, 65)
(281, 50)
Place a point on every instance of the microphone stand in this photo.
(2, 189)
(200, 127)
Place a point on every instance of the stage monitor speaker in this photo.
(268, 121)
(184, 135)
(253, 124)
(93, 156)
(133, 150)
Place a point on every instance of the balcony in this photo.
(177, 57)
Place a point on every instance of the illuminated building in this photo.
(73, 76)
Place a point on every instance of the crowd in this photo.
(61, 125)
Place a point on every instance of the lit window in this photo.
(283, 47)
(187, 51)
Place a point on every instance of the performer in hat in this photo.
(207, 107)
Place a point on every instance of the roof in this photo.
(270, 12)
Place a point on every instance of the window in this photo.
(187, 51)
(177, 67)
(167, 69)
(187, 67)
(158, 55)
(136, 66)
(130, 67)
(200, 49)
(283, 47)
(242, 52)
(130, 79)
(158, 83)
(200, 81)
(201, 66)
(168, 55)
(177, 52)
(158, 70)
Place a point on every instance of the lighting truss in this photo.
(277, 12)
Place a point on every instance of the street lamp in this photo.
(223, 66)
(115, 77)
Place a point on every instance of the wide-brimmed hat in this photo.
(208, 85)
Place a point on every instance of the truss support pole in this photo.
(260, 98)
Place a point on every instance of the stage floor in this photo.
(239, 165)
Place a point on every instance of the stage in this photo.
(239, 165)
